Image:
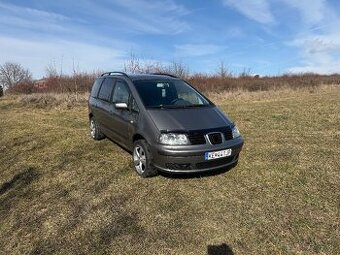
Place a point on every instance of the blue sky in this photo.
(267, 37)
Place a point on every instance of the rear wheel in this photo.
(142, 159)
(95, 132)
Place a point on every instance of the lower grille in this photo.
(214, 163)
(175, 166)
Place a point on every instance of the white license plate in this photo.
(217, 154)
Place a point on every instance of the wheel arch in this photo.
(137, 137)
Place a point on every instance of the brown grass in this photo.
(248, 83)
(63, 193)
(44, 100)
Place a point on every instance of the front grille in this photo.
(197, 138)
(214, 163)
(228, 135)
(215, 138)
(176, 166)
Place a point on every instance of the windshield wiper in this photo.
(196, 105)
(177, 106)
(156, 107)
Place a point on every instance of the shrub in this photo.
(24, 87)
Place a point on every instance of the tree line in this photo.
(16, 79)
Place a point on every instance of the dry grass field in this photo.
(62, 193)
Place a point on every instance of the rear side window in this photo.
(96, 86)
(121, 93)
(106, 89)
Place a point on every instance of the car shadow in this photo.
(222, 249)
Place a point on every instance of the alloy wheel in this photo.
(92, 128)
(139, 159)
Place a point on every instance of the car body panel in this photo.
(188, 118)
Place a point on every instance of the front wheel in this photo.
(95, 132)
(142, 159)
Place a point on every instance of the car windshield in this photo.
(169, 94)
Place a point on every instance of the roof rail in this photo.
(166, 74)
(112, 73)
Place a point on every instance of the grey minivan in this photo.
(167, 124)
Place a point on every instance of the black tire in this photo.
(95, 132)
(142, 159)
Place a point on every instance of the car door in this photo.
(122, 120)
(104, 105)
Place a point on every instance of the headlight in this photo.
(236, 132)
(173, 139)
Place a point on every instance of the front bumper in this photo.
(190, 158)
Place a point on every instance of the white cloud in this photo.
(197, 50)
(28, 18)
(36, 55)
(324, 66)
(43, 37)
(258, 10)
(158, 17)
(317, 42)
(157, 7)
(320, 53)
(312, 12)
(30, 12)
(140, 16)
(319, 45)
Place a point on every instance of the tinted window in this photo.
(106, 89)
(169, 94)
(121, 93)
(96, 86)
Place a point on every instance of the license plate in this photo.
(217, 154)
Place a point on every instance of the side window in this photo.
(121, 93)
(134, 106)
(96, 87)
(106, 89)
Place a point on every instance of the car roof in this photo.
(135, 77)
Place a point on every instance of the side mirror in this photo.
(121, 106)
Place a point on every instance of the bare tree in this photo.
(133, 65)
(246, 72)
(137, 65)
(222, 70)
(12, 74)
(51, 70)
(178, 69)
(76, 76)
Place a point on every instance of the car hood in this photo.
(189, 118)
